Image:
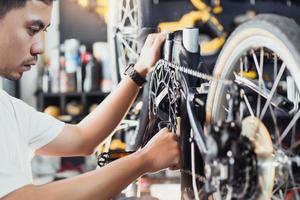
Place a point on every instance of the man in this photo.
(25, 132)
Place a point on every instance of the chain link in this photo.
(193, 73)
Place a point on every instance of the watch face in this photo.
(130, 70)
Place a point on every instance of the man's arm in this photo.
(94, 128)
(91, 131)
(106, 182)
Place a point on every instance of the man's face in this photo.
(21, 38)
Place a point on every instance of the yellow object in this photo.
(212, 46)
(74, 108)
(53, 111)
(100, 148)
(99, 6)
(215, 21)
(83, 3)
(199, 4)
(102, 7)
(117, 144)
(251, 74)
(190, 20)
(217, 10)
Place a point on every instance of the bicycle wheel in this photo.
(263, 57)
(124, 24)
(128, 36)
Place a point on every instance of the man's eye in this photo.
(33, 30)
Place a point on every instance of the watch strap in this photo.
(134, 75)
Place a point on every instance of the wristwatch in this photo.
(134, 75)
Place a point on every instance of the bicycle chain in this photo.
(193, 73)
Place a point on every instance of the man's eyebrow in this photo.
(39, 23)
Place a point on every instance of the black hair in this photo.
(7, 5)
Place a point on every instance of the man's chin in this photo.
(14, 77)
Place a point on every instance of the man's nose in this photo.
(37, 47)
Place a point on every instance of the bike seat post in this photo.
(190, 39)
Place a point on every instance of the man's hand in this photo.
(162, 151)
(150, 53)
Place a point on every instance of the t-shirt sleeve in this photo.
(44, 129)
(38, 128)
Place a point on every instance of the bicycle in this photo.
(250, 58)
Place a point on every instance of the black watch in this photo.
(134, 75)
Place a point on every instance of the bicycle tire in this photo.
(275, 33)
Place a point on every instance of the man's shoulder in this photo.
(4, 97)
(7, 101)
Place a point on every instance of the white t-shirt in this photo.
(23, 130)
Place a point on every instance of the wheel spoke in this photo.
(277, 188)
(277, 133)
(261, 60)
(260, 80)
(290, 126)
(261, 83)
(285, 191)
(247, 103)
(293, 139)
(295, 145)
(259, 68)
(275, 84)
